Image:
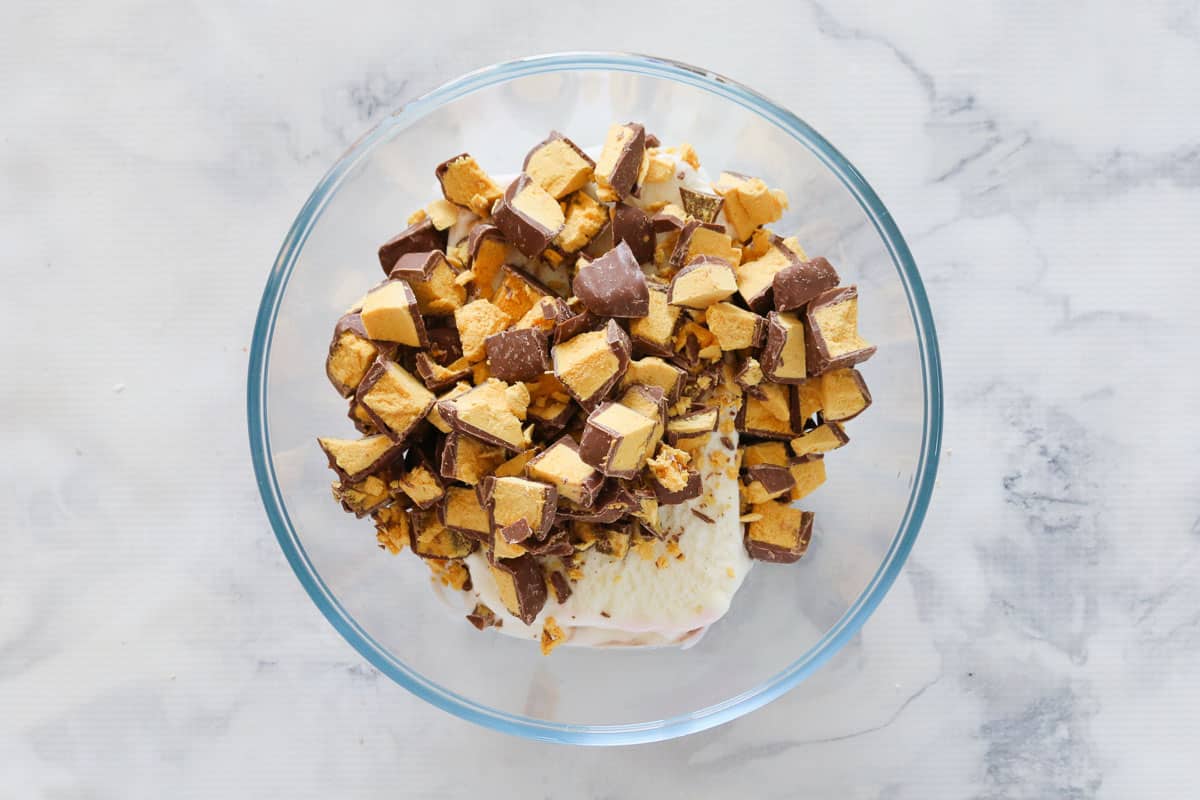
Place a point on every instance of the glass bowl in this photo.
(787, 620)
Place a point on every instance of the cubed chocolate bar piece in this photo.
(613, 285)
(462, 512)
(351, 353)
(558, 165)
(700, 239)
(701, 205)
(518, 355)
(766, 482)
(620, 161)
(590, 364)
(560, 466)
(821, 439)
(363, 497)
(654, 334)
(807, 474)
(519, 508)
(632, 226)
(420, 237)
(756, 278)
(797, 285)
(692, 489)
(783, 355)
(390, 313)
(467, 460)
(691, 424)
(433, 281)
(781, 533)
(844, 394)
(476, 321)
(429, 538)
(529, 216)
(394, 399)
(354, 459)
(749, 203)
(654, 371)
(521, 585)
(735, 327)
(767, 413)
(649, 401)
(704, 281)
(833, 340)
(492, 412)
(616, 440)
(465, 184)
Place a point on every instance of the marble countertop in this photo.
(1043, 641)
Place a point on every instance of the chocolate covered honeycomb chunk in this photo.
(487, 252)
(435, 376)
(419, 237)
(767, 413)
(821, 439)
(390, 313)
(703, 281)
(560, 466)
(613, 285)
(654, 371)
(518, 292)
(583, 220)
(394, 399)
(756, 279)
(590, 364)
(808, 473)
(749, 203)
(483, 617)
(462, 512)
(833, 340)
(518, 355)
(420, 482)
(654, 333)
(429, 538)
(434, 416)
(433, 280)
(649, 401)
(558, 165)
(691, 424)
(476, 321)
(351, 353)
(528, 216)
(701, 205)
(700, 239)
(781, 533)
(616, 440)
(465, 184)
(633, 226)
(493, 412)
(620, 161)
(693, 487)
(467, 460)
(521, 586)
(765, 482)
(362, 497)
(670, 467)
(772, 453)
(844, 394)
(519, 508)
(795, 286)
(735, 327)
(783, 355)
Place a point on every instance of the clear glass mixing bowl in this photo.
(786, 620)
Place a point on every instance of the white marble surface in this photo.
(1043, 160)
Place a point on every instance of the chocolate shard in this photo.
(521, 585)
(560, 466)
(522, 354)
(783, 356)
(483, 617)
(429, 538)
(576, 324)
(620, 161)
(556, 543)
(529, 216)
(590, 364)
(445, 347)
(601, 242)
(613, 285)
(391, 313)
(394, 399)
(692, 489)
(781, 534)
(616, 440)
(796, 285)
(632, 226)
(560, 585)
(558, 165)
(704, 207)
(703, 281)
(351, 354)
(420, 237)
(437, 377)
(614, 503)
(833, 340)
(654, 334)
(433, 281)
(519, 508)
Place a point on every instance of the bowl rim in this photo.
(631, 733)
